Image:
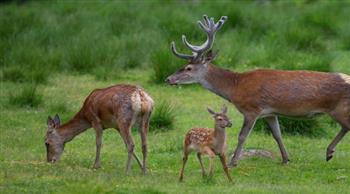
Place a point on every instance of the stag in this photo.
(266, 93)
(120, 107)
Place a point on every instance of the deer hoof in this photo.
(329, 155)
(232, 164)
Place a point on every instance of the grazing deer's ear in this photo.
(224, 109)
(211, 111)
(210, 56)
(57, 120)
(50, 122)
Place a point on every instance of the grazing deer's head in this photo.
(202, 55)
(221, 119)
(53, 142)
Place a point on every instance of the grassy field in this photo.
(53, 54)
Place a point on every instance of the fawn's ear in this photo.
(211, 111)
(224, 109)
(57, 121)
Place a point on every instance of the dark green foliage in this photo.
(163, 117)
(28, 97)
(307, 127)
(163, 62)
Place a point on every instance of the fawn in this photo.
(208, 141)
(119, 107)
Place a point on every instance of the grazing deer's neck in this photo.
(74, 127)
(220, 81)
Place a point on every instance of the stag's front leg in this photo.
(276, 132)
(99, 131)
(248, 124)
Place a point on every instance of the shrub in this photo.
(28, 97)
(163, 117)
(292, 126)
(163, 64)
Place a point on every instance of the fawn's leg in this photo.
(199, 156)
(224, 165)
(211, 154)
(184, 160)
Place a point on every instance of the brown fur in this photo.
(210, 142)
(119, 107)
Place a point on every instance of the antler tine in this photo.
(180, 55)
(210, 28)
(219, 24)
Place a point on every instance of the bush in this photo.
(292, 126)
(163, 117)
(163, 64)
(28, 97)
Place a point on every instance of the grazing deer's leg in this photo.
(184, 160)
(344, 121)
(276, 132)
(144, 130)
(125, 132)
(199, 156)
(99, 130)
(248, 124)
(224, 165)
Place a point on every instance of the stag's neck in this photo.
(220, 81)
(74, 127)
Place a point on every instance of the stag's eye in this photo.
(188, 68)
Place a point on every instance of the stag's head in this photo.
(202, 55)
(53, 141)
(221, 119)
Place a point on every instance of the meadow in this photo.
(54, 53)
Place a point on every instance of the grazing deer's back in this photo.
(120, 100)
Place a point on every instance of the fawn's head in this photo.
(221, 119)
(195, 70)
(53, 141)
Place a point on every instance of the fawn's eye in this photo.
(188, 68)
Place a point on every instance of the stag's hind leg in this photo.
(342, 116)
(99, 130)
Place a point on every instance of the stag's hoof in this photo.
(285, 161)
(329, 155)
(232, 164)
(96, 166)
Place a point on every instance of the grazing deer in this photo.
(266, 93)
(209, 142)
(119, 107)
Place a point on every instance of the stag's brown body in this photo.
(266, 93)
(119, 107)
(291, 93)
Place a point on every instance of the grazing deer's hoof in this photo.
(181, 179)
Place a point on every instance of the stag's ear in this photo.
(224, 109)
(211, 111)
(57, 121)
(210, 56)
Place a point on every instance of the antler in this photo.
(210, 28)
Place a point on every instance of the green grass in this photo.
(53, 54)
